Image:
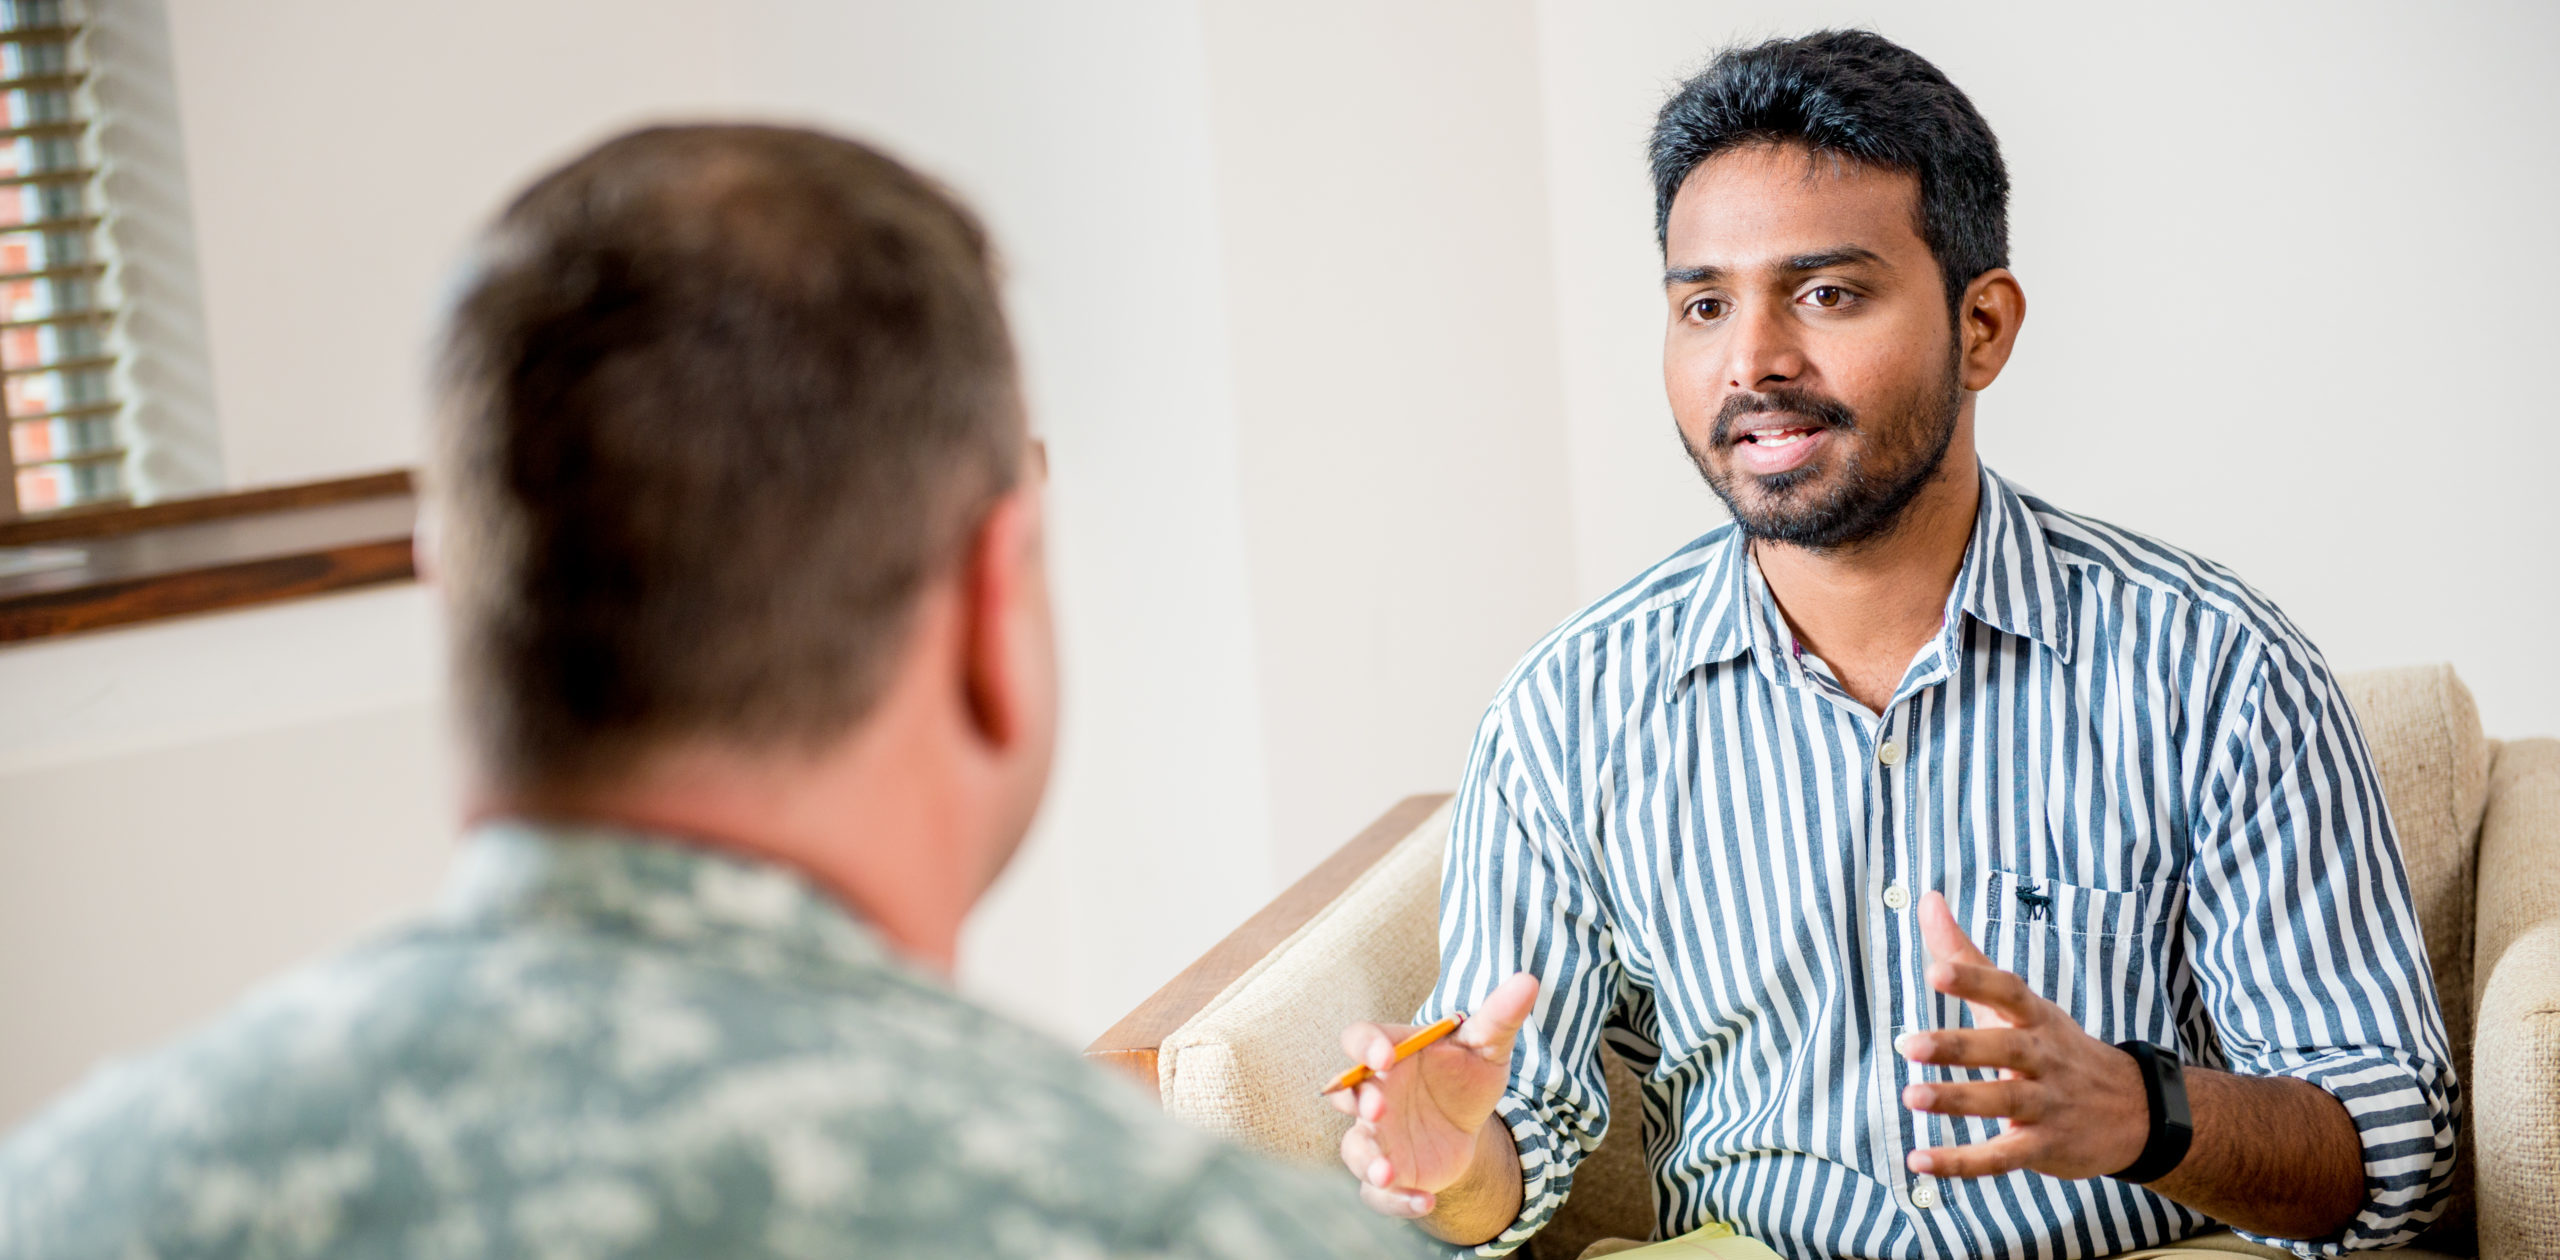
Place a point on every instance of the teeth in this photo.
(1777, 437)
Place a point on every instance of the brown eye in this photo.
(1829, 295)
(1707, 308)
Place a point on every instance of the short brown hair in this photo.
(716, 403)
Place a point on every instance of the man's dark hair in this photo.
(1853, 95)
(715, 405)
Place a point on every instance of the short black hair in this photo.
(1854, 95)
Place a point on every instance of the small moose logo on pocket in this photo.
(2034, 903)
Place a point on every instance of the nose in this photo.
(1762, 350)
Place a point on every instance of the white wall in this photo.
(1055, 122)
(1396, 387)
(188, 806)
(2281, 263)
(1341, 321)
(341, 155)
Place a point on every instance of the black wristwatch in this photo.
(2164, 1083)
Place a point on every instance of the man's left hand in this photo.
(2072, 1105)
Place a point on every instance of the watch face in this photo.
(2173, 1090)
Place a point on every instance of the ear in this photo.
(1006, 638)
(1987, 323)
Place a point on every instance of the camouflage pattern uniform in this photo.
(602, 1045)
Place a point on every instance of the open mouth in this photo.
(1776, 448)
(1775, 436)
(1765, 434)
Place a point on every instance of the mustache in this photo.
(1825, 413)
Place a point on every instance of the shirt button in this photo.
(1896, 897)
(1924, 1197)
(1890, 753)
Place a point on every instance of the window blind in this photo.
(57, 357)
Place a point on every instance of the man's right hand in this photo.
(1424, 1144)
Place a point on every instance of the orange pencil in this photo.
(1404, 1050)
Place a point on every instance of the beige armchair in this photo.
(1237, 1042)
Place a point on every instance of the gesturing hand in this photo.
(2072, 1105)
(1420, 1122)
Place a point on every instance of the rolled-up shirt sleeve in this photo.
(1517, 894)
(2306, 945)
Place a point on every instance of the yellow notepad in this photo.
(1715, 1242)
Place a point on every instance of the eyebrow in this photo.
(1819, 260)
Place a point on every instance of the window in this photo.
(66, 447)
(112, 501)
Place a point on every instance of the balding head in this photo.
(716, 405)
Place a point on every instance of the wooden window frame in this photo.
(185, 556)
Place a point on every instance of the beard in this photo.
(1865, 496)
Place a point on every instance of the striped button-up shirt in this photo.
(2138, 786)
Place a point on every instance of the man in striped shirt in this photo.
(1908, 834)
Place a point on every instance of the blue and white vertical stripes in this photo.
(2137, 785)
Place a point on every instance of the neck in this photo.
(873, 821)
(1867, 609)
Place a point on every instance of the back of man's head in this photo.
(716, 405)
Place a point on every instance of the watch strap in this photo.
(2164, 1086)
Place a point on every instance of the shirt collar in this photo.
(2010, 580)
(658, 888)
(1715, 625)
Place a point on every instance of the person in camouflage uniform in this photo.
(611, 1044)
(739, 779)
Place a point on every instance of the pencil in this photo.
(1405, 1049)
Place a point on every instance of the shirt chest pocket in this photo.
(2101, 954)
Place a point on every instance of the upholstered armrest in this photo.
(1246, 1064)
(2515, 1100)
(2514, 1090)
(1385, 978)
(1238, 1043)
